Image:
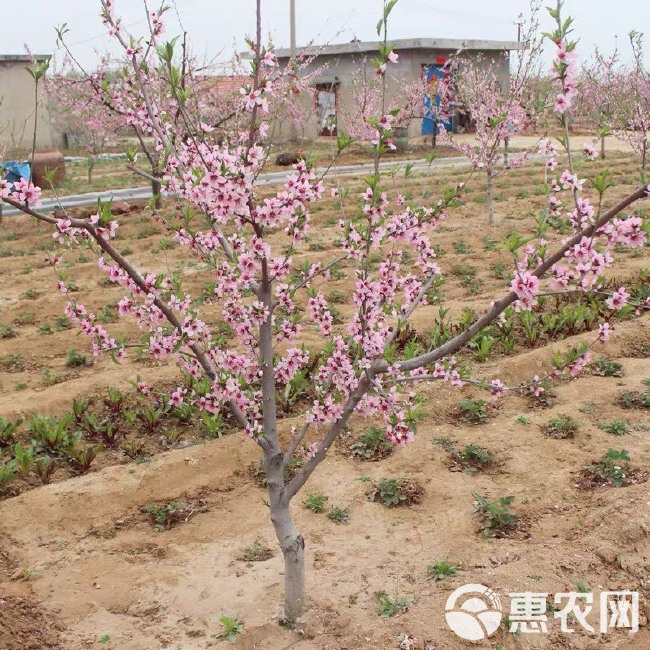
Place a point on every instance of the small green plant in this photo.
(611, 469)
(184, 413)
(461, 247)
(396, 492)
(24, 457)
(115, 401)
(231, 628)
(490, 244)
(582, 586)
(75, 359)
(615, 427)
(472, 284)
(147, 231)
(82, 458)
(497, 519)
(441, 569)
(7, 332)
(482, 345)
(171, 437)
(109, 433)
(45, 329)
(606, 368)
(25, 318)
(108, 315)
(45, 467)
(50, 433)
(474, 411)
(338, 296)
(13, 363)
(462, 269)
(7, 431)
(634, 400)
(150, 417)
(472, 457)
(212, 424)
(30, 294)
(447, 443)
(79, 409)
(258, 551)
(62, 323)
(104, 639)
(135, 448)
(522, 419)
(339, 515)
(50, 378)
(315, 502)
(372, 445)
(7, 473)
(165, 244)
(561, 426)
(165, 516)
(388, 606)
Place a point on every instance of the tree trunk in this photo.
(506, 150)
(91, 167)
(156, 189)
(490, 192)
(644, 158)
(291, 541)
(602, 147)
(293, 551)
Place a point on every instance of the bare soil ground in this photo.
(81, 565)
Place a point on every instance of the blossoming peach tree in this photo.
(269, 303)
(75, 109)
(497, 113)
(629, 119)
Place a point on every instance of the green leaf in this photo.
(343, 141)
(602, 182)
(37, 70)
(61, 31)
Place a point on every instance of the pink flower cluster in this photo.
(567, 75)
(526, 286)
(23, 191)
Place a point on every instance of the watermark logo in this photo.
(473, 612)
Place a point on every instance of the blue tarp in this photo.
(13, 170)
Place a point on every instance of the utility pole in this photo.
(520, 24)
(293, 137)
(292, 27)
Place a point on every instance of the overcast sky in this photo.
(217, 26)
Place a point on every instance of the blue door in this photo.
(435, 71)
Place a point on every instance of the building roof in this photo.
(356, 47)
(23, 58)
